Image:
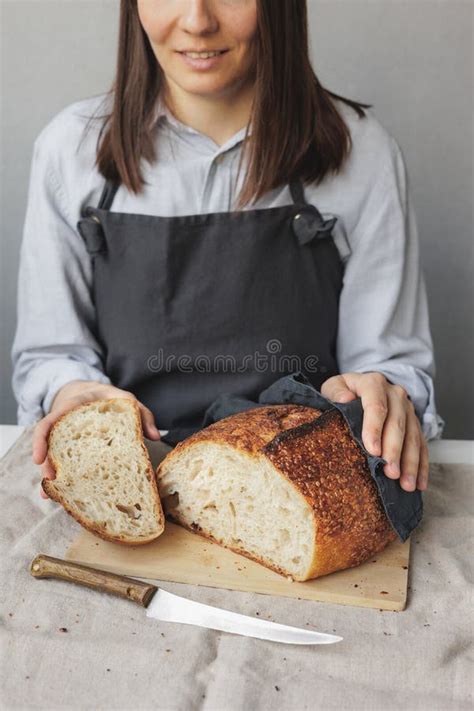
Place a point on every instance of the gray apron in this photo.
(194, 306)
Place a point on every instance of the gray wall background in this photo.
(411, 59)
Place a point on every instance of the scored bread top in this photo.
(252, 429)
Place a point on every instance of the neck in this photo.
(217, 117)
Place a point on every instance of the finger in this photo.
(373, 393)
(394, 430)
(424, 467)
(43, 494)
(148, 419)
(410, 458)
(47, 472)
(40, 438)
(337, 390)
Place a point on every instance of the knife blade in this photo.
(172, 608)
(168, 607)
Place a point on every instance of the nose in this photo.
(197, 16)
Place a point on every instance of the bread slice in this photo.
(104, 477)
(284, 485)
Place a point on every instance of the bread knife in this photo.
(167, 607)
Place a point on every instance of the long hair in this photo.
(297, 130)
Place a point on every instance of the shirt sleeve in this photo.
(54, 341)
(383, 310)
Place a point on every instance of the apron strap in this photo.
(108, 194)
(297, 192)
(90, 227)
(308, 223)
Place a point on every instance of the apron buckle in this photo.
(91, 231)
(308, 223)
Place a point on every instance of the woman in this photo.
(310, 252)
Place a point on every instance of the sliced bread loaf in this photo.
(104, 477)
(285, 485)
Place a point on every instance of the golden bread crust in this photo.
(326, 464)
(251, 430)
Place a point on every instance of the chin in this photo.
(206, 86)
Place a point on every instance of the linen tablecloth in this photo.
(66, 647)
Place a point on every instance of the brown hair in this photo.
(297, 131)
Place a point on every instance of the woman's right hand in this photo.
(78, 392)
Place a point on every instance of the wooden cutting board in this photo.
(184, 557)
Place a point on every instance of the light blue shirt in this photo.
(383, 313)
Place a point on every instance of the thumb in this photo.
(337, 390)
(148, 420)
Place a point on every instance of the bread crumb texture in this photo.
(104, 477)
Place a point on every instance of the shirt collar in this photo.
(163, 113)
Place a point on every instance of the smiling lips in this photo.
(203, 54)
(203, 60)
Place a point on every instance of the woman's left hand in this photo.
(390, 427)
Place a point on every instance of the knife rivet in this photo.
(36, 566)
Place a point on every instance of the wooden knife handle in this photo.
(44, 566)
